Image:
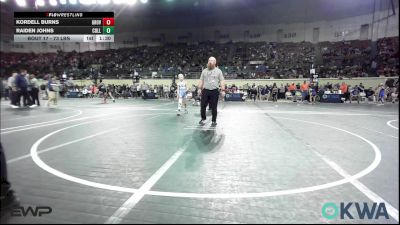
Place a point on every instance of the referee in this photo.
(210, 80)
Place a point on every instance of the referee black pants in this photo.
(209, 97)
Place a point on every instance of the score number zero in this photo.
(107, 30)
(106, 22)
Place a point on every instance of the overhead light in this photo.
(21, 3)
(63, 2)
(130, 2)
(53, 2)
(87, 2)
(40, 3)
(103, 2)
(73, 2)
(2, 0)
(144, 1)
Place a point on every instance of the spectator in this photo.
(22, 86)
(281, 92)
(292, 89)
(328, 87)
(369, 93)
(35, 89)
(344, 90)
(274, 91)
(304, 87)
(253, 92)
(12, 86)
(313, 90)
(264, 93)
(52, 92)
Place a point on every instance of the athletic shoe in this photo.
(32, 106)
(214, 124)
(202, 122)
(14, 107)
(114, 100)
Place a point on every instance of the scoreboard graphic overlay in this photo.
(64, 26)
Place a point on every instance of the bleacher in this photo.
(237, 60)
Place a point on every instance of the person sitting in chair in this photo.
(369, 93)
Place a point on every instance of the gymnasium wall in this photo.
(367, 82)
